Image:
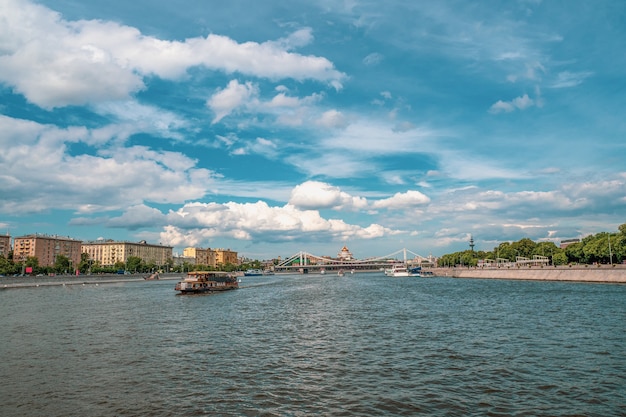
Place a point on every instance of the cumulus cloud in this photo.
(407, 200)
(196, 223)
(55, 62)
(518, 103)
(113, 172)
(235, 95)
(319, 195)
(138, 216)
(287, 110)
(283, 100)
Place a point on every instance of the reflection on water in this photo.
(361, 345)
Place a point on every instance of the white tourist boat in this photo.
(399, 270)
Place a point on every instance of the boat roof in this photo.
(208, 273)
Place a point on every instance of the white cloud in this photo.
(138, 216)
(518, 103)
(331, 165)
(54, 62)
(265, 147)
(567, 79)
(299, 38)
(373, 59)
(319, 195)
(409, 199)
(370, 137)
(283, 100)
(41, 174)
(197, 223)
(143, 117)
(235, 95)
(287, 110)
(332, 119)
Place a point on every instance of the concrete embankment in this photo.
(591, 273)
(67, 280)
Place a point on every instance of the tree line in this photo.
(601, 248)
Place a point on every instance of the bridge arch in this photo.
(305, 262)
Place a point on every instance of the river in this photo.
(300, 345)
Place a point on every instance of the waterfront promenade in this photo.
(66, 280)
(575, 273)
(580, 273)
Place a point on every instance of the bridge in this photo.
(307, 263)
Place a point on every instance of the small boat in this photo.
(399, 270)
(322, 271)
(198, 282)
(152, 277)
(415, 271)
(253, 273)
(340, 273)
(268, 272)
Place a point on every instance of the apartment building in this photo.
(110, 252)
(46, 248)
(5, 245)
(201, 256)
(225, 256)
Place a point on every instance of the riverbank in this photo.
(580, 273)
(66, 280)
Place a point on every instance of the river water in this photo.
(298, 345)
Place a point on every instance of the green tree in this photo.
(504, 251)
(119, 266)
(84, 264)
(61, 264)
(7, 267)
(559, 258)
(574, 252)
(592, 248)
(134, 264)
(169, 265)
(524, 247)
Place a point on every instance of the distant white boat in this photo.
(399, 270)
(340, 273)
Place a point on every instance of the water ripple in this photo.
(297, 346)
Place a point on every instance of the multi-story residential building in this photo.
(5, 245)
(109, 252)
(46, 249)
(201, 256)
(225, 256)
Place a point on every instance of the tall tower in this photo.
(472, 243)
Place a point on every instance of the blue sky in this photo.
(273, 127)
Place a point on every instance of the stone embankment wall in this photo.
(591, 273)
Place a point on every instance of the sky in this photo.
(275, 127)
